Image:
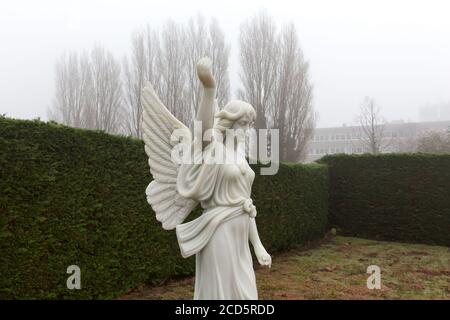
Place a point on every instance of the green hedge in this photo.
(71, 196)
(400, 197)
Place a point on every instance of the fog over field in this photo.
(397, 52)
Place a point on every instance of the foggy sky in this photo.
(395, 51)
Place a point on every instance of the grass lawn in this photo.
(337, 270)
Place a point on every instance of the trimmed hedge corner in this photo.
(399, 197)
(77, 197)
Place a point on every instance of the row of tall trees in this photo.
(167, 59)
(95, 90)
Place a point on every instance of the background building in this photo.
(398, 136)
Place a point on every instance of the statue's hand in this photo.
(204, 72)
(263, 257)
(253, 212)
(250, 208)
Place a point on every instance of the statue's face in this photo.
(244, 123)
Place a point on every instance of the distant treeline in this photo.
(96, 90)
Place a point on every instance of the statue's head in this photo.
(235, 115)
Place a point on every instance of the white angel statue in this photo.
(220, 236)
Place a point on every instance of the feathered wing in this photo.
(158, 125)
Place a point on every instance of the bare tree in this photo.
(371, 127)
(167, 58)
(172, 68)
(207, 41)
(105, 108)
(219, 51)
(73, 85)
(258, 43)
(88, 91)
(138, 68)
(158, 62)
(293, 113)
(197, 47)
(276, 82)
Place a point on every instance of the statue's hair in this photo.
(232, 112)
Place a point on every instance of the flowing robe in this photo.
(220, 236)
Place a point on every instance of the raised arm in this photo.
(205, 111)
